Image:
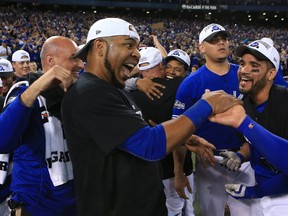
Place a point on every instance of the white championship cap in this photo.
(107, 27)
(6, 69)
(20, 55)
(150, 56)
(210, 31)
(180, 56)
(262, 49)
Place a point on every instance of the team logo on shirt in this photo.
(179, 105)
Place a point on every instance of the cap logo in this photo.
(255, 44)
(2, 68)
(215, 28)
(98, 32)
(176, 53)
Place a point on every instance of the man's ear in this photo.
(272, 73)
(50, 60)
(202, 49)
(99, 46)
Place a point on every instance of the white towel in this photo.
(57, 155)
(4, 166)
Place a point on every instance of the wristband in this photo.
(240, 156)
(199, 112)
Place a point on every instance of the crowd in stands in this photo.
(26, 27)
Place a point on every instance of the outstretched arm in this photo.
(175, 132)
(272, 147)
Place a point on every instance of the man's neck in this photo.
(219, 68)
(262, 96)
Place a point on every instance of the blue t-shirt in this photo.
(192, 89)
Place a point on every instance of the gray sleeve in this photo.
(130, 84)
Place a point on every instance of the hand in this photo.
(220, 101)
(232, 117)
(154, 39)
(150, 88)
(230, 161)
(181, 181)
(202, 148)
(236, 190)
(56, 75)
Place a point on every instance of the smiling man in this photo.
(113, 150)
(20, 62)
(267, 104)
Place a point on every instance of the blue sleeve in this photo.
(13, 123)
(149, 143)
(272, 147)
(272, 186)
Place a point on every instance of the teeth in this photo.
(244, 79)
(130, 66)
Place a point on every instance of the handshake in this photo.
(226, 109)
(220, 101)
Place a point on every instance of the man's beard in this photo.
(256, 88)
(114, 80)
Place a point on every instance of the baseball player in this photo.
(216, 74)
(113, 150)
(266, 103)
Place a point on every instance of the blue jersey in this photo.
(191, 90)
(22, 131)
